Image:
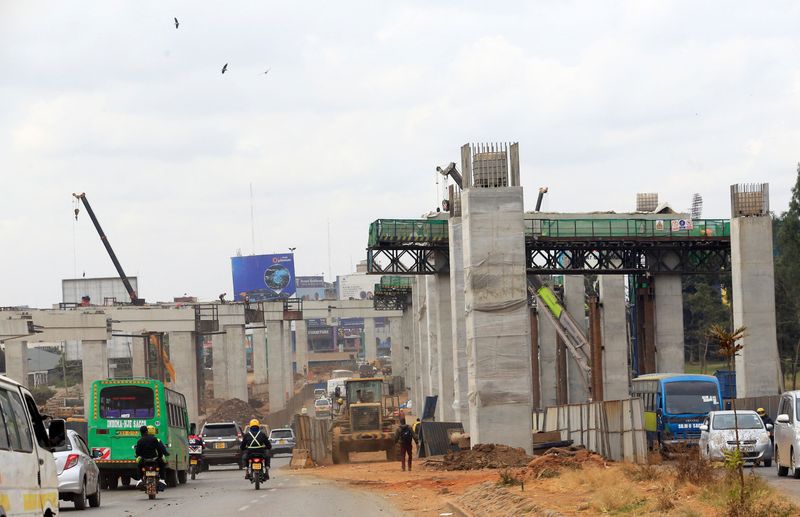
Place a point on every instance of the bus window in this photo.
(126, 402)
(690, 397)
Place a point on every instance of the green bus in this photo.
(117, 409)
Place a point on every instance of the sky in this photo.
(362, 101)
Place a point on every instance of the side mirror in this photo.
(57, 432)
(782, 419)
(769, 427)
(703, 427)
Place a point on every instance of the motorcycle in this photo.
(150, 476)
(195, 460)
(258, 470)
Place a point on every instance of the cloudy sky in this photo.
(362, 101)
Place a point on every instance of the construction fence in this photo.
(284, 417)
(768, 402)
(612, 428)
(312, 434)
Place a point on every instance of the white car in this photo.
(322, 408)
(78, 474)
(718, 436)
(787, 434)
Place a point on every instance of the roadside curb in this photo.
(458, 510)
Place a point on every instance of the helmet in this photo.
(760, 411)
(151, 429)
(254, 423)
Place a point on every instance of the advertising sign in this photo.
(311, 287)
(357, 286)
(263, 277)
(681, 224)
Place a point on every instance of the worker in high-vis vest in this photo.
(255, 443)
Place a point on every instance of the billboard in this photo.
(263, 277)
(311, 287)
(357, 286)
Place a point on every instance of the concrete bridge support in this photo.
(94, 360)
(236, 362)
(17, 360)
(370, 345)
(219, 366)
(432, 331)
(444, 331)
(301, 347)
(497, 324)
(575, 301)
(259, 356)
(669, 324)
(753, 283)
(138, 368)
(614, 330)
(420, 344)
(458, 315)
(183, 355)
(398, 340)
(288, 361)
(277, 382)
(548, 370)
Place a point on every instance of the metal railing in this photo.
(628, 228)
(408, 231)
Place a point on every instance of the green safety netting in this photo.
(641, 228)
(408, 230)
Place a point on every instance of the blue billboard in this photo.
(263, 277)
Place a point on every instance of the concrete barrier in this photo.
(612, 428)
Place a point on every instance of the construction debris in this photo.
(481, 456)
(234, 410)
(552, 462)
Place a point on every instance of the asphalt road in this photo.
(786, 485)
(224, 491)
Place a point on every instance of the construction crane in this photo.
(451, 171)
(135, 300)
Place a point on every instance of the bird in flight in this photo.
(176, 23)
(225, 68)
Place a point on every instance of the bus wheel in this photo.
(171, 478)
(182, 477)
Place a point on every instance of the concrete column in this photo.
(301, 345)
(444, 330)
(422, 333)
(669, 324)
(432, 326)
(17, 360)
(236, 362)
(183, 355)
(94, 361)
(575, 300)
(753, 284)
(398, 341)
(547, 359)
(277, 399)
(458, 328)
(614, 329)
(370, 345)
(137, 355)
(259, 356)
(288, 361)
(498, 328)
(219, 366)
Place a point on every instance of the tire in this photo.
(151, 496)
(171, 478)
(80, 499)
(767, 463)
(258, 481)
(795, 470)
(193, 470)
(94, 499)
(182, 477)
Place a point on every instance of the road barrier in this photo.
(312, 434)
(612, 428)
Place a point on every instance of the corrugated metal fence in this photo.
(768, 402)
(612, 428)
(312, 435)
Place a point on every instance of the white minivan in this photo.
(28, 481)
(787, 431)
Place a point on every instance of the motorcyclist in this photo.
(766, 420)
(255, 444)
(149, 447)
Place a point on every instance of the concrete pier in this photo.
(94, 361)
(17, 360)
(259, 356)
(614, 330)
(301, 346)
(432, 351)
(398, 340)
(219, 366)
(138, 368)
(288, 361)
(370, 345)
(421, 344)
(275, 363)
(753, 285)
(497, 325)
(575, 301)
(547, 360)
(669, 324)
(236, 362)
(182, 354)
(444, 331)
(458, 315)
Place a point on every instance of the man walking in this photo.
(404, 436)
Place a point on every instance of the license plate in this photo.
(282, 442)
(256, 466)
(193, 462)
(127, 433)
(747, 448)
(150, 473)
(219, 445)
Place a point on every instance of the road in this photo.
(224, 491)
(786, 485)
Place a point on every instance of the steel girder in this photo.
(408, 260)
(627, 257)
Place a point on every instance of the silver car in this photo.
(717, 436)
(77, 472)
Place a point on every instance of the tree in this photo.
(703, 307)
(787, 281)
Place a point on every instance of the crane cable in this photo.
(75, 210)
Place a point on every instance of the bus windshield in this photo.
(126, 402)
(691, 397)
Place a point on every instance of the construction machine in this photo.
(366, 422)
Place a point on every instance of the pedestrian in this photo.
(404, 436)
